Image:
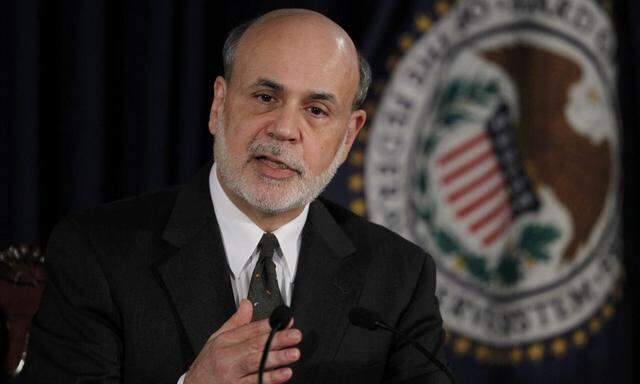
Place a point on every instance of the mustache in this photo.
(279, 153)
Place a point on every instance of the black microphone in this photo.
(280, 317)
(367, 319)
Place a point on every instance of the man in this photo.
(145, 290)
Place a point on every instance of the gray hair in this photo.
(233, 39)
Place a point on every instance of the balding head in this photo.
(287, 24)
(284, 116)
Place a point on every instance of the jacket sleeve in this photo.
(75, 337)
(421, 321)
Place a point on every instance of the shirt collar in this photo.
(240, 235)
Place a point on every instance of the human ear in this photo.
(217, 106)
(356, 122)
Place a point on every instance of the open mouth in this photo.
(274, 163)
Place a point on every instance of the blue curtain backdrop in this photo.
(107, 99)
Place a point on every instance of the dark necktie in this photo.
(264, 292)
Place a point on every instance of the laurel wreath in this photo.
(532, 242)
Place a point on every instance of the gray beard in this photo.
(274, 196)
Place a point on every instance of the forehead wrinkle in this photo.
(307, 31)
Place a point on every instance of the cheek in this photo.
(319, 156)
(233, 146)
(237, 137)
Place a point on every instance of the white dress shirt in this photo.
(240, 238)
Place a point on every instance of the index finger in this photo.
(241, 317)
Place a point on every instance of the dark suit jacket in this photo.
(136, 287)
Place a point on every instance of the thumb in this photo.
(241, 317)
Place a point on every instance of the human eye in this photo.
(264, 97)
(317, 111)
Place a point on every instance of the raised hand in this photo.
(232, 354)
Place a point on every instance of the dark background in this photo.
(111, 98)
(106, 99)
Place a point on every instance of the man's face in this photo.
(284, 122)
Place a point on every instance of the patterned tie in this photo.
(264, 291)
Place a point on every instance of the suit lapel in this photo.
(196, 275)
(327, 286)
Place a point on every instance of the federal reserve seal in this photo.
(496, 148)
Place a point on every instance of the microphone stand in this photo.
(419, 347)
(280, 317)
(263, 359)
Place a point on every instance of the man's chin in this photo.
(274, 206)
(276, 196)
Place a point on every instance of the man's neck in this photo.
(266, 222)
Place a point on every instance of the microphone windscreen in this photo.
(280, 317)
(364, 318)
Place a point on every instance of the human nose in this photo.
(286, 125)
